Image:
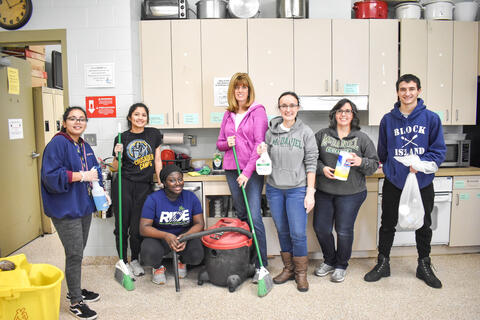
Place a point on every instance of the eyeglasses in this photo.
(73, 119)
(286, 106)
(347, 111)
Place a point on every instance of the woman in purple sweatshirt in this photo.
(244, 125)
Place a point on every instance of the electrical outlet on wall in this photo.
(193, 140)
(90, 138)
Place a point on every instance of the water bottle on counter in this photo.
(99, 197)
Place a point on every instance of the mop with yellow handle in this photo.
(122, 274)
(265, 282)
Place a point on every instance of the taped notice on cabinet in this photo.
(220, 90)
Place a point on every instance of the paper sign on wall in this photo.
(157, 119)
(101, 107)
(220, 90)
(15, 129)
(351, 88)
(190, 118)
(464, 196)
(100, 75)
(459, 184)
(216, 117)
(13, 81)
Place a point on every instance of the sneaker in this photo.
(158, 275)
(338, 275)
(87, 296)
(256, 276)
(425, 273)
(182, 270)
(137, 269)
(381, 269)
(82, 311)
(323, 270)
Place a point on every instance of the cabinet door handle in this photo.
(326, 85)
(456, 114)
(336, 85)
(178, 117)
(446, 117)
(167, 118)
(458, 200)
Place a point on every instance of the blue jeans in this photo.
(341, 210)
(254, 196)
(290, 217)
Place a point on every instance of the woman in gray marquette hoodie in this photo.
(337, 202)
(291, 186)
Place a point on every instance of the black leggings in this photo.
(153, 251)
(134, 195)
(390, 202)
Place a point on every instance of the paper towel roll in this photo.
(173, 138)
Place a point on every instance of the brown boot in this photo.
(287, 272)
(301, 266)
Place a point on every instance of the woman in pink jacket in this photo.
(244, 125)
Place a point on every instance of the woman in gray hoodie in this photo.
(291, 186)
(337, 202)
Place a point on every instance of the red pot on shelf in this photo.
(371, 9)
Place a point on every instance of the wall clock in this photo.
(14, 14)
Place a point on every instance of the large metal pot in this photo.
(211, 9)
(438, 9)
(243, 9)
(370, 9)
(291, 9)
(408, 10)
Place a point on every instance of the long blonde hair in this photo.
(239, 78)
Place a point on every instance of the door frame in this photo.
(41, 37)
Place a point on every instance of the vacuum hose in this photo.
(198, 235)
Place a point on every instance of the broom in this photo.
(265, 282)
(122, 274)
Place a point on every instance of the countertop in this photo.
(442, 172)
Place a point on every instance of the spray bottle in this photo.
(264, 163)
(99, 197)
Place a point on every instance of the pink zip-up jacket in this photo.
(250, 133)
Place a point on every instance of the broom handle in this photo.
(120, 234)
(248, 211)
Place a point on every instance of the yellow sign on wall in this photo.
(13, 81)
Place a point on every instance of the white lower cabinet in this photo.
(465, 218)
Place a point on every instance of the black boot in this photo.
(425, 273)
(382, 269)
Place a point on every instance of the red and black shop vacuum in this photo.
(229, 254)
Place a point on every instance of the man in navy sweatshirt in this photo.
(409, 128)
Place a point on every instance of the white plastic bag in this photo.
(410, 208)
(427, 167)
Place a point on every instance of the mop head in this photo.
(265, 282)
(122, 275)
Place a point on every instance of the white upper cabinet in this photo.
(224, 52)
(383, 68)
(312, 45)
(270, 59)
(156, 51)
(464, 91)
(350, 57)
(440, 68)
(186, 74)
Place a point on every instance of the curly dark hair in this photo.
(355, 124)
